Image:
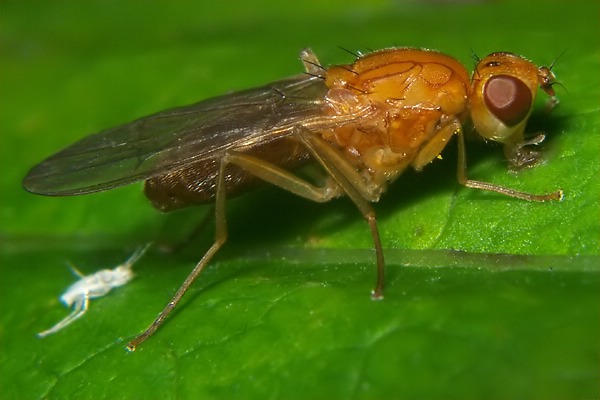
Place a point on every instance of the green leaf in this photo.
(486, 296)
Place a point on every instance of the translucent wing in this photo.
(175, 138)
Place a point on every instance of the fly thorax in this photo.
(344, 102)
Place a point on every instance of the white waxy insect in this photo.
(98, 284)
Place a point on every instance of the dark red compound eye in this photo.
(508, 98)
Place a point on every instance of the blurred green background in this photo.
(487, 297)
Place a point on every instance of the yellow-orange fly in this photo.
(364, 123)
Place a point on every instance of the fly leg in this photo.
(345, 180)
(260, 169)
(220, 238)
(360, 190)
(463, 180)
(79, 308)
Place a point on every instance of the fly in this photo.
(364, 123)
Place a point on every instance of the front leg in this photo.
(463, 180)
